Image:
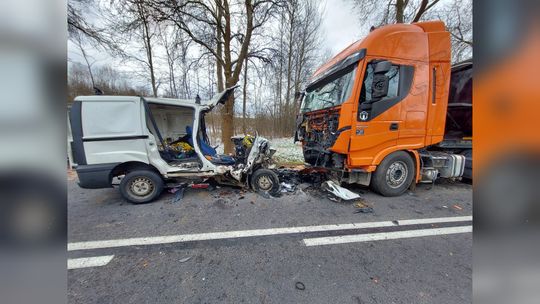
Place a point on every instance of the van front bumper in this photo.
(95, 176)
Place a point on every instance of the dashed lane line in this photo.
(369, 237)
(168, 239)
(89, 262)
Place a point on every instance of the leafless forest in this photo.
(183, 48)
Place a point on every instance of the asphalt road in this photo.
(209, 261)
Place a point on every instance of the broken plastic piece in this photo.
(339, 191)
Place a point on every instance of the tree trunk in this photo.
(232, 75)
(424, 7)
(147, 44)
(88, 66)
(219, 49)
(400, 8)
(292, 13)
(227, 123)
(244, 101)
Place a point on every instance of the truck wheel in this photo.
(141, 186)
(265, 181)
(394, 175)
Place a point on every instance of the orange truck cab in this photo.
(376, 113)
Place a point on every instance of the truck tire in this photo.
(394, 174)
(141, 186)
(265, 181)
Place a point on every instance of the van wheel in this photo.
(141, 186)
(265, 181)
(394, 175)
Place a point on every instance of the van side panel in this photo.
(113, 131)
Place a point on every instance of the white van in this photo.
(152, 142)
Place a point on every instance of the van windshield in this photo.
(329, 94)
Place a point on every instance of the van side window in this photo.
(384, 85)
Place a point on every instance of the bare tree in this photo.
(77, 24)
(297, 56)
(107, 78)
(271, 47)
(458, 19)
(130, 24)
(76, 38)
(244, 96)
(223, 29)
(175, 48)
(392, 11)
(456, 14)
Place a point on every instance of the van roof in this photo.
(165, 101)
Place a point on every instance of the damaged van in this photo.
(152, 143)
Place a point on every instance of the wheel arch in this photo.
(123, 168)
(413, 153)
(417, 163)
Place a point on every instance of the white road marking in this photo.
(385, 236)
(89, 262)
(141, 241)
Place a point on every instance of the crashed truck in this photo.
(390, 111)
(153, 143)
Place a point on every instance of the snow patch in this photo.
(287, 152)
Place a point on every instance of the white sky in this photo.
(340, 28)
(340, 25)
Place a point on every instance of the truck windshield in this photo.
(329, 94)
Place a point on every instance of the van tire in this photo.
(394, 174)
(141, 186)
(265, 181)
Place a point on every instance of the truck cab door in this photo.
(378, 118)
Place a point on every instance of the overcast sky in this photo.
(340, 25)
(340, 28)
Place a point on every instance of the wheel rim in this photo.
(265, 183)
(396, 175)
(141, 186)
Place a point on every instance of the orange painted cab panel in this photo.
(412, 119)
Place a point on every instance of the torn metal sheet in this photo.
(335, 189)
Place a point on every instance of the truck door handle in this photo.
(394, 126)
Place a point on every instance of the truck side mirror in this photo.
(380, 80)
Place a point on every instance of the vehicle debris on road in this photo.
(178, 190)
(362, 207)
(457, 207)
(184, 259)
(341, 193)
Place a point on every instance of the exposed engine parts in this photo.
(319, 132)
